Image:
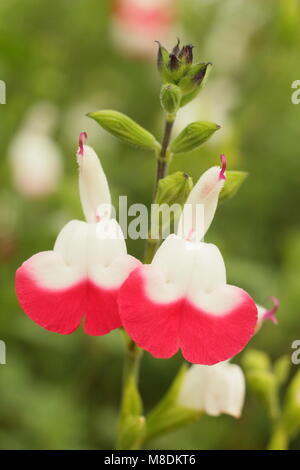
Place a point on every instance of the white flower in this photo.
(214, 389)
(35, 159)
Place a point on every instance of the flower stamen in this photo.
(270, 314)
(223, 169)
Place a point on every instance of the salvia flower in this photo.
(80, 278)
(182, 300)
(214, 389)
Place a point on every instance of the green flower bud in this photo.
(174, 189)
(253, 359)
(186, 54)
(261, 380)
(234, 180)
(125, 129)
(193, 136)
(177, 68)
(194, 81)
(170, 97)
(172, 193)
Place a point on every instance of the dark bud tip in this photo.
(159, 56)
(176, 49)
(174, 62)
(186, 54)
(201, 73)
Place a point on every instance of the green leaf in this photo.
(193, 136)
(234, 180)
(125, 129)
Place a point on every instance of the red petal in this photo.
(152, 326)
(60, 310)
(208, 338)
(161, 328)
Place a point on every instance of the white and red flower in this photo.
(182, 300)
(81, 277)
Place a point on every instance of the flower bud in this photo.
(193, 136)
(186, 54)
(232, 184)
(124, 128)
(261, 379)
(170, 97)
(194, 81)
(177, 67)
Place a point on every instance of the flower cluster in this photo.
(179, 301)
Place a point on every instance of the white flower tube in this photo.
(194, 223)
(214, 389)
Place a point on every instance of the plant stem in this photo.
(133, 353)
(163, 157)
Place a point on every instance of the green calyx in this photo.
(176, 67)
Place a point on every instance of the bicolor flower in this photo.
(80, 278)
(182, 300)
(214, 389)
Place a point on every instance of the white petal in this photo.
(93, 186)
(214, 389)
(66, 264)
(206, 194)
(108, 262)
(170, 271)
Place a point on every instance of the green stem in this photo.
(163, 157)
(133, 353)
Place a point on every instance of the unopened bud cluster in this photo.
(182, 79)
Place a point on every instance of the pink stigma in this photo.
(82, 140)
(223, 169)
(270, 314)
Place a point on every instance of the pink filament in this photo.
(223, 169)
(270, 314)
(82, 140)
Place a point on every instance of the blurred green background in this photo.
(61, 392)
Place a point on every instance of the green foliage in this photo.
(125, 129)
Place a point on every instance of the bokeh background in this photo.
(62, 59)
